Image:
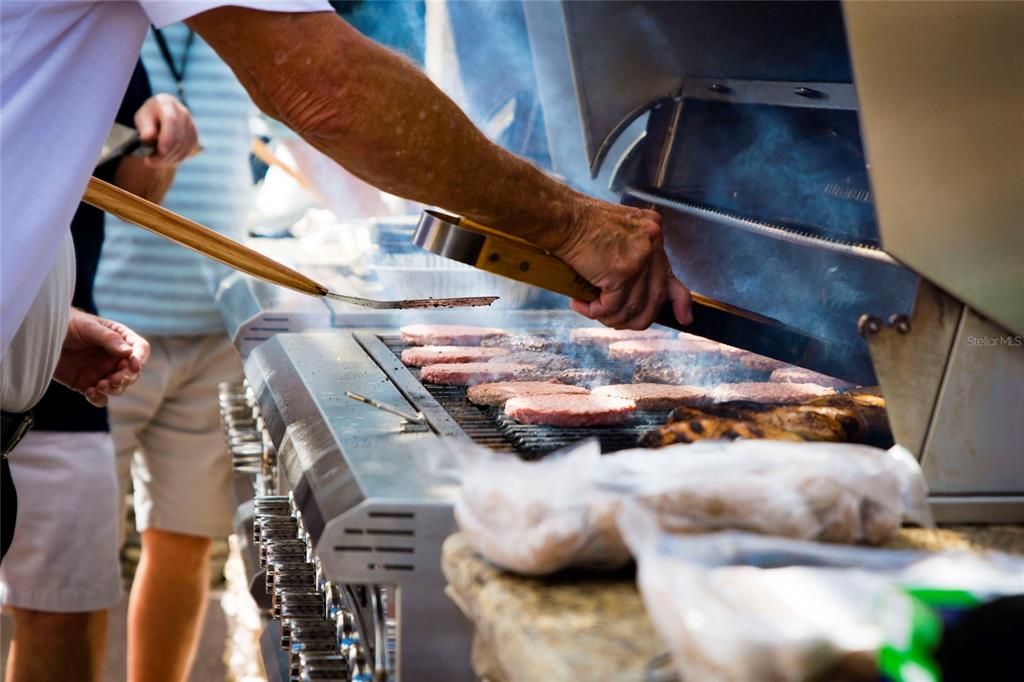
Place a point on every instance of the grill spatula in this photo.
(211, 244)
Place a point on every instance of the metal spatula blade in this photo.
(463, 302)
(205, 241)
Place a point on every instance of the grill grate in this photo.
(490, 427)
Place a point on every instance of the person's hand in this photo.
(619, 249)
(100, 358)
(165, 122)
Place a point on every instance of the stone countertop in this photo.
(584, 627)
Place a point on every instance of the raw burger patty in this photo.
(603, 335)
(634, 350)
(447, 334)
(799, 375)
(570, 410)
(657, 396)
(766, 392)
(419, 356)
(495, 394)
(471, 373)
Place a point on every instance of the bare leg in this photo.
(56, 646)
(167, 606)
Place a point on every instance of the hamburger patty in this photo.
(799, 375)
(739, 356)
(602, 336)
(646, 348)
(471, 373)
(495, 394)
(523, 342)
(447, 334)
(673, 370)
(418, 356)
(755, 362)
(570, 410)
(552, 361)
(657, 396)
(585, 376)
(765, 392)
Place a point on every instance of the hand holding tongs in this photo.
(497, 252)
(207, 242)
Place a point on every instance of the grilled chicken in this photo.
(836, 418)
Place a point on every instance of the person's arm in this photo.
(165, 122)
(377, 115)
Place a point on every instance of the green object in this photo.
(912, 626)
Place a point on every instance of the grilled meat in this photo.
(799, 375)
(830, 418)
(764, 392)
(551, 361)
(691, 425)
(656, 396)
(418, 356)
(495, 394)
(605, 336)
(646, 348)
(585, 376)
(447, 334)
(470, 373)
(524, 342)
(571, 411)
(699, 372)
(757, 363)
(862, 415)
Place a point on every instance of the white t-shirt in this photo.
(65, 66)
(26, 370)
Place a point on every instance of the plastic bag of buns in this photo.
(539, 517)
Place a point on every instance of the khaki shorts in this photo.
(64, 558)
(168, 437)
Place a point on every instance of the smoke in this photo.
(398, 24)
(803, 169)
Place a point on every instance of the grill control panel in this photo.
(327, 631)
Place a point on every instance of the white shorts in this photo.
(64, 557)
(168, 437)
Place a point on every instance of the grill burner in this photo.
(490, 427)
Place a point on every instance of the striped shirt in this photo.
(150, 284)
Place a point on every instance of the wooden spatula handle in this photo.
(192, 235)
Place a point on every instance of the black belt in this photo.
(13, 427)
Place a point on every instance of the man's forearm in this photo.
(382, 119)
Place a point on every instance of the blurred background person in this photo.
(166, 432)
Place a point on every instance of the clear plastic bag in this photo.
(834, 492)
(796, 610)
(539, 517)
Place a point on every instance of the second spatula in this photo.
(203, 240)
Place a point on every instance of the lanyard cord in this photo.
(178, 74)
